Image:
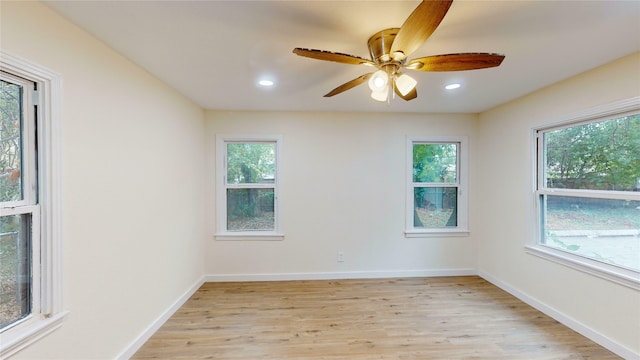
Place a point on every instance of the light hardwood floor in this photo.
(412, 318)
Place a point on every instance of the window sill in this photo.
(435, 233)
(625, 277)
(11, 344)
(245, 236)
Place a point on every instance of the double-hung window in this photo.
(247, 193)
(30, 251)
(436, 191)
(588, 193)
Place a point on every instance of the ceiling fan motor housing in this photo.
(380, 45)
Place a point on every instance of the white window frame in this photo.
(221, 189)
(461, 183)
(47, 309)
(616, 274)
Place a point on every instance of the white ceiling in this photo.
(214, 52)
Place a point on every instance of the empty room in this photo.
(319, 179)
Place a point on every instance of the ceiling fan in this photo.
(390, 48)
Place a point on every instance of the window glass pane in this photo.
(250, 209)
(435, 207)
(435, 163)
(600, 229)
(598, 156)
(251, 163)
(10, 141)
(15, 269)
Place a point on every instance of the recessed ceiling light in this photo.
(266, 82)
(452, 86)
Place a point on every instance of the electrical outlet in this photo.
(340, 256)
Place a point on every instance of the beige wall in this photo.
(343, 189)
(505, 204)
(133, 154)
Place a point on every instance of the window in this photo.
(587, 194)
(247, 187)
(30, 252)
(436, 191)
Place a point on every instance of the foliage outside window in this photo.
(436, 199)
(588, 190)
(248, 187)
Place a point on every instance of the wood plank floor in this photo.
(412, 318)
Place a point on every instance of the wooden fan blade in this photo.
(410, 95)
(348, 85)
(422, 22)
(456, 62)
(332, 56)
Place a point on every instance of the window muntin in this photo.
(587, 190)
(436, 198)
(247, 195)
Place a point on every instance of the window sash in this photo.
(457, 162)
(541, 161)
(541, 149)
(28, 176)
(252, 212)
(33, 211)
(255, 184)
(597, 194)
(437, 206)
(436, 185)
(251, 186)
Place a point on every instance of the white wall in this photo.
(133, 156)
(343, 189)
(504, 206)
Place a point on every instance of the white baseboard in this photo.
(135, 345)
(570, 322)
(338, 275)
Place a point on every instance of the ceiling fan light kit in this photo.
(380, 95)
(390, 48)
(378, 80)
(379, 85)
(405, 84)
